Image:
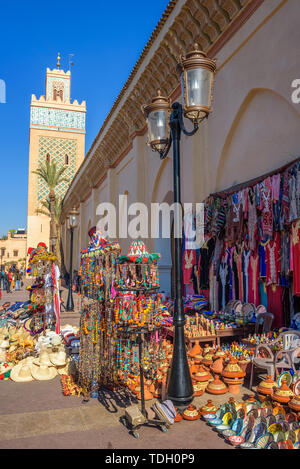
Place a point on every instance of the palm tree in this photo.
(45, 210)
(53, 176)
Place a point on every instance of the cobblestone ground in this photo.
(38, 415)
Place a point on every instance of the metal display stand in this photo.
(140, 331)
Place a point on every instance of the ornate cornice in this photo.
(202, 21)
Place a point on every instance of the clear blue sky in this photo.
(106, 38)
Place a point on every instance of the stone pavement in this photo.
(38, 415)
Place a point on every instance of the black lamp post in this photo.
(72, 222)
(165, 124)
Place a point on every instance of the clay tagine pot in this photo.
(233, 370)
(202, 375)
(195, 350)
(198, 389)
(191, 413)
(217, 366)
(295, 403)
(217, 386)
(219, 353)
(233, 384)
(245, 365)
(198, 358)
(283, 394)
(209, 408)
(207, 359)
(266, 387)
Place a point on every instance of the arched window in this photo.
(66, 159)
(48, 157)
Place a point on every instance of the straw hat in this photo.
(69, 368)
(43, 372)
(21, 372)
(43, 359)
(58, 358)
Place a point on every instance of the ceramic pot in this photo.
(234, 384)
(202, 375)
(207, 360)
(217, 366)
(209, 408)
(219, 353)
(295, 403)
(217, 386)
(191, 413)
(233, 370)
(195, 350)
(266, 387)
(245, 365)
(198, 389)
(283, 394)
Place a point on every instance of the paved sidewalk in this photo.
(37, 415)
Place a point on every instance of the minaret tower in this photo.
(57, 133)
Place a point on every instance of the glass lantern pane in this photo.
(199, 82)
(157, 125)
(72, 220)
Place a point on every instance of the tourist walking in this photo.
(8, 277)
(18, 281)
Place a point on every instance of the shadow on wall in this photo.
(264, 135)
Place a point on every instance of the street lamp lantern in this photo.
(165, 125)
(157, 115)
(73, 218)
(196, 73)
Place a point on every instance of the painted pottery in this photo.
(209, 408)
(233, 370)
(290, 435)
(222, 427)
(198, 389)
(283, 394)
(207, 359)
(191, 413)
(236, 440)
(295, 403)
(214, 422)
(266, 387)
(246, 445)
(285, 376)
(208, 416)
(278, 436)
(219, 353)
(217, 386)
(264, 440)
(202, 375)
(217, 366)
(233, 384)
(227, 418)
(238, 426)
(227, 433)
(195, 350)
(278, 410)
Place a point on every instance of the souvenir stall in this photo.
(30, 348)
(252, 245)
(98, 346)
(139, 319)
